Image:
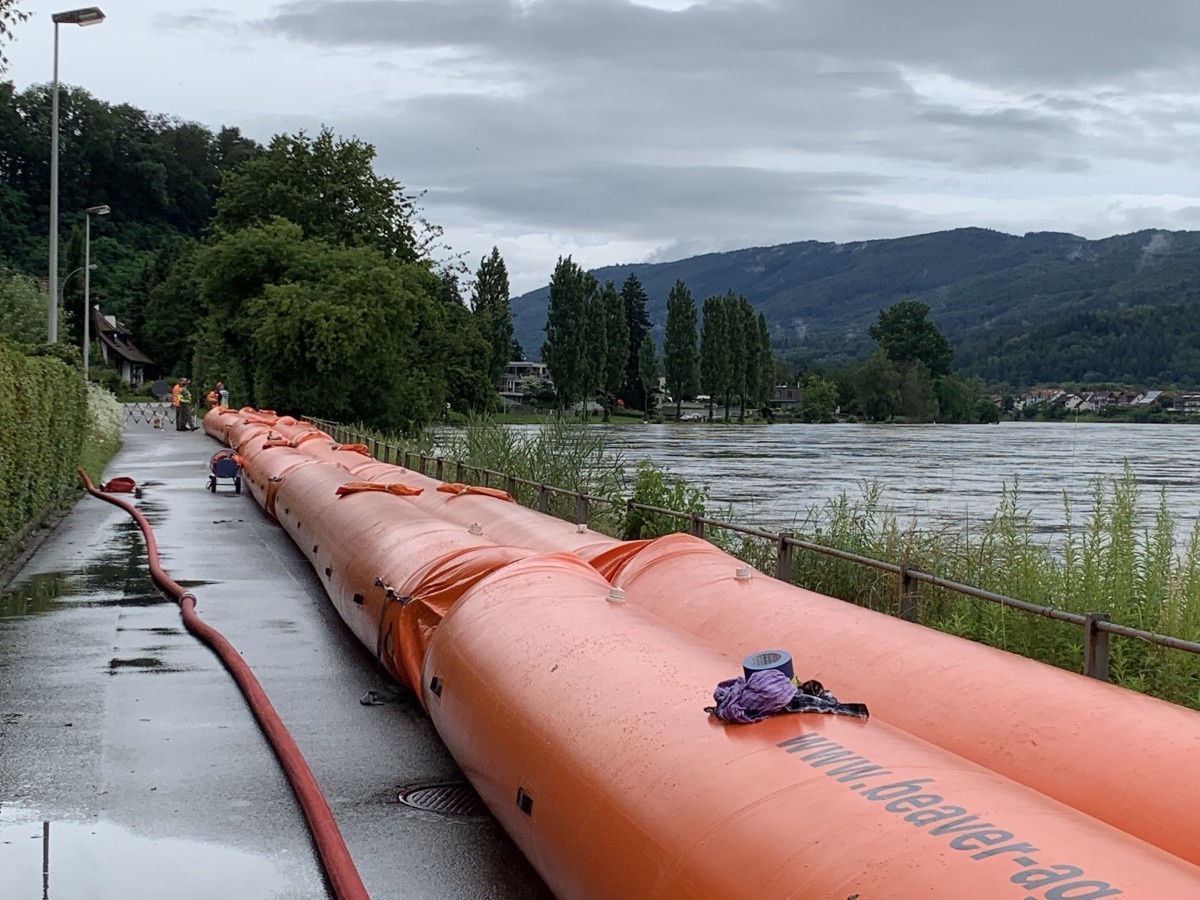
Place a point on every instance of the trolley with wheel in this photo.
(225, 465)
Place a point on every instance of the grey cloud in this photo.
(1067, 42)
(648, 201)
(714, 126)
(198, 19)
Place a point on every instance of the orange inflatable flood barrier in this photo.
(579, 715)
(1110, 752)
(580, 721)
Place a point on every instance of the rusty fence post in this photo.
(906, 596)
(783, 556)
(1095, 647)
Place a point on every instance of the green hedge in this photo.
(43, 424)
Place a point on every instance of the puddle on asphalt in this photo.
(102, 861)
(118, 575)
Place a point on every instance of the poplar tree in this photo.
(715, 357)
(647, 367)
(681, 359)
(766, 364)
(595, 350)
(563, 351)
(617, 333)
(490, 305)
(745, 361)
(635, 299)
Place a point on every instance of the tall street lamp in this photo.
(90, 15)
(87, 281)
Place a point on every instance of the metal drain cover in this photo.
(454, 799)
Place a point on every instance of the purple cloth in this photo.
(744, 700)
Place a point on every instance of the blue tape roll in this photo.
(765, 660)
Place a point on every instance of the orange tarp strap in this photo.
(353, 448)
(400, 490)
(276, 442)
(259, 420)
(456, 488)
(296, 442)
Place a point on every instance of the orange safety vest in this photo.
(175, 396)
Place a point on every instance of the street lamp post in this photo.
(90, 15)
(87, 282)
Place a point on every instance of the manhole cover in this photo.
(446, 799)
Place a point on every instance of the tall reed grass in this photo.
(1109, 561)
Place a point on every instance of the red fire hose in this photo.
(339, 867)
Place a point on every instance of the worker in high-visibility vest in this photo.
(176, 389)
(181, 400)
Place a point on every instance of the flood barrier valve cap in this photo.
(616, 595)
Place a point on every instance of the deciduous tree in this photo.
(681, 357)
(328, 187)
(716, 360)
(10, 15)
(563, 351)
(616, 340)
(648, 369)
(906, 335)
(490, 305)
(635, 299)
(877, 387)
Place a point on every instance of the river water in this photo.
(936, 475)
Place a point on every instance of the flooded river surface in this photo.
(938, 475)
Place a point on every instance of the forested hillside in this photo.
(990, 293)
(159, 175)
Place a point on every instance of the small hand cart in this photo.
(225, 465)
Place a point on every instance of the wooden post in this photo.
(510, 485)
(906, 596)
(439, 469)
(783, 557)
(581, 509)
(459, 472)
(697, 528)
(543, 498)
(1095, 647)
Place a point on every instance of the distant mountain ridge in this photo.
(984, 288)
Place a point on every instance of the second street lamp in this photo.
(89, 15)
(87, 282)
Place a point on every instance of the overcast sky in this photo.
(620, 131)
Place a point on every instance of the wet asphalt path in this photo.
(130, 766)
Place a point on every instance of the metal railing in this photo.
(1096, 626)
